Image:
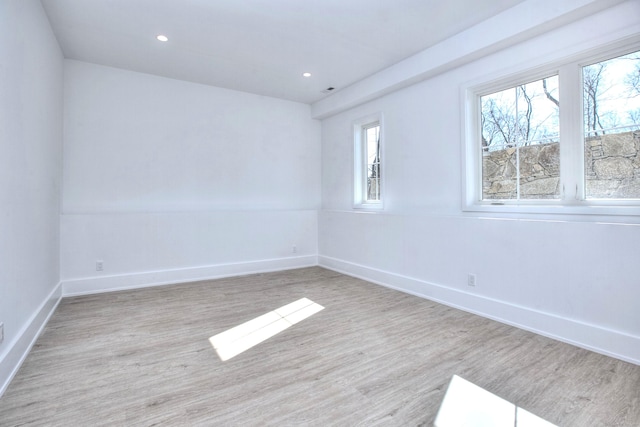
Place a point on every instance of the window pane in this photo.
(372, 135)
(612, 128)
(520, 142)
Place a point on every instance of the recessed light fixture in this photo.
(162, 38)
(306, 74)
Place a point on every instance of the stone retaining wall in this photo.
(612, 169)
(613, 165)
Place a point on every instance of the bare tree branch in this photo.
(526, 128)
(592, 77)
(548, 94)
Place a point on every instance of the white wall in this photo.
(163, 175)
(572, 277)
(30, 167)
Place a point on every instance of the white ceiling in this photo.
(261, 46)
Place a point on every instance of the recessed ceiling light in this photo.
(162, 38)
(306, 74)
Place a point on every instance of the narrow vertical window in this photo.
(372, 143)
(611, 107)
(368, 171)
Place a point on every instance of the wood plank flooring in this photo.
(373, 356)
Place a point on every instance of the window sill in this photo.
(603, 209)
(369, 206)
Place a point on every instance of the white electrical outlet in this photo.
(99, 266)
(294, 249)
(1, 332)
(471, 279)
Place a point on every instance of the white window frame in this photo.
(572, 198)
(360, 163)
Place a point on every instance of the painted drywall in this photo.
(136, 142)
(161, 174)
(145, 249)
(30, 169)
(574, 277)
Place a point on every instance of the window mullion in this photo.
(518, 137)
(571, 140)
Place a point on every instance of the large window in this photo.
(368, 185)
(565, 137)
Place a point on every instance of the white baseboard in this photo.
(19, 348)
(591, 337)
(93, 285)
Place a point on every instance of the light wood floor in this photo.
(373, 356)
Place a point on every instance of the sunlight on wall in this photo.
(240, 338)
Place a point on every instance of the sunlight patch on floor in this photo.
(240, 338)
(467, 405)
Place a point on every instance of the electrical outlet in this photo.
(1, 332)
(294, 249)
(471, 279)
(99, 266)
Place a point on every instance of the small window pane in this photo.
(612, 128)
(520, 142)
(372, 143)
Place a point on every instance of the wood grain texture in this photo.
(373, 356)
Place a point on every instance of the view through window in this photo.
(372, 144)
(520, 141)
(612, 128)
